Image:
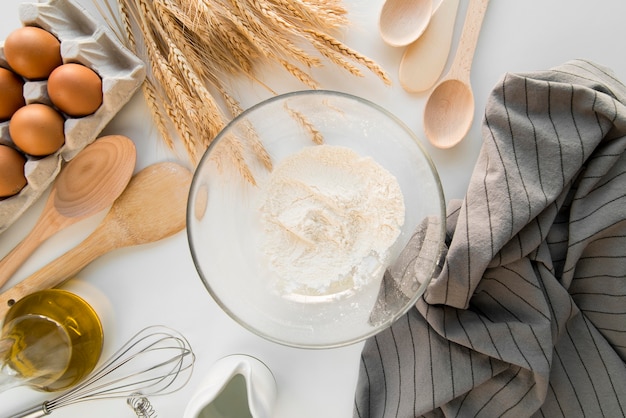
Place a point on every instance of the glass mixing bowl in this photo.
(228, 220)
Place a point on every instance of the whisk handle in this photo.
(34, 412)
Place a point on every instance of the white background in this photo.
(157, 284)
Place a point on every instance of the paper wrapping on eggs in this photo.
(85, 41)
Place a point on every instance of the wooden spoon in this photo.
(152, 207)
(403, 21)
(88, 184)
(449, 110)
(424, 60)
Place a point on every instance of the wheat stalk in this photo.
(322, 40)
(316, 136)
(192, 47)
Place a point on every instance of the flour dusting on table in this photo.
(329, 217)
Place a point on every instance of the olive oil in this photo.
(78, 341)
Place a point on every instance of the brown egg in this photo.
(12, 178)
(37, 129)
(11, 93)
(32, 52)
(75, 89)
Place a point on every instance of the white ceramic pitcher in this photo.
(237, 386)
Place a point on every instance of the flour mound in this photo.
(329, 217)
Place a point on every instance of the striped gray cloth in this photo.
(528, 315)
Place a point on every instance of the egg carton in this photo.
(84, 41)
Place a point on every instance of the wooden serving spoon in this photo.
(424, 60)
(88, 184)
(403, 21)
(152, 207)
(449, 110)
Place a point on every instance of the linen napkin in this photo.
(528, 314)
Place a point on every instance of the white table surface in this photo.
(157, 283)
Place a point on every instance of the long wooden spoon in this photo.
(423, 61)
(449, 110)
(152, 207)
(403, 21)
(88, 184)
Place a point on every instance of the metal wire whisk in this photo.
(141, 405)
(156, 361)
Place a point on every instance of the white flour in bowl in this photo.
(329, 217)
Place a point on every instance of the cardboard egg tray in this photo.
(84, 41)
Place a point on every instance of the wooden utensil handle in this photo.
(51, 275)
(13, 260)
(47, 225)
(469, 38)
